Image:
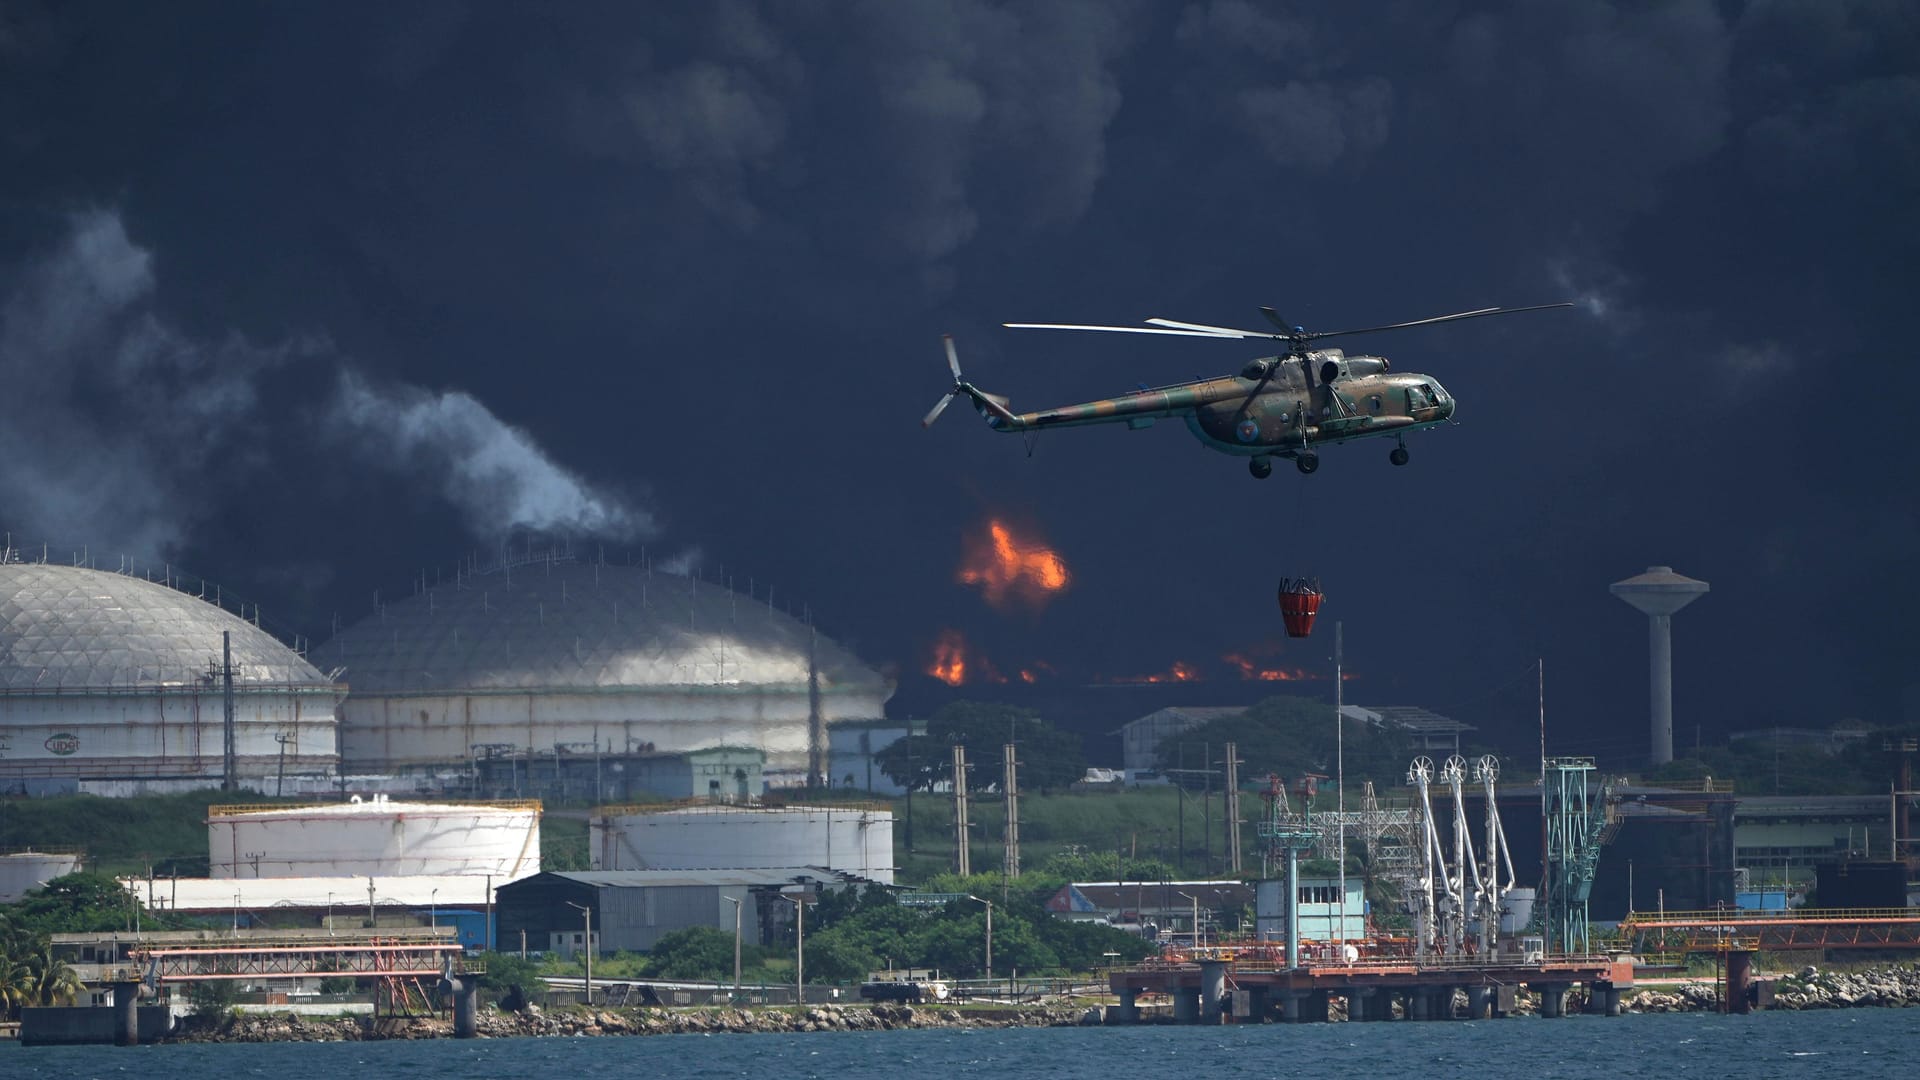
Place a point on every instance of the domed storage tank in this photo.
(24, 870)
(375, 838)
(552, 660)
(854, 839)
(110, 683)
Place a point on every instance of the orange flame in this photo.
(1180, 672)
(1251, 670)
(1005, 566)
(949, 658)
(954, 662)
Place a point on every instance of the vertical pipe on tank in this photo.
(1293, 907)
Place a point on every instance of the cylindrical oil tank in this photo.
(375, 837)
(1518, 910)
(853, 839)
(23, 870)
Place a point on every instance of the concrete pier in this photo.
(466, 1011)
(126, 1013)
(1263, 989)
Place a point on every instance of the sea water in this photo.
(1853, 1043)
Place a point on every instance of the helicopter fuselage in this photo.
(1276, 407)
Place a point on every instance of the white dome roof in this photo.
(573, 626)
(69, 627)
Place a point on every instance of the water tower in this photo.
(1660, 592)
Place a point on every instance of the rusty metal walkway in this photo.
(1803, 928)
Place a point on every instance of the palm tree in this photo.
(16, 984)
(54, 982)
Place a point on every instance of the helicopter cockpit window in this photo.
(1374, 404)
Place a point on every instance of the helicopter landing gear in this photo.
(1399, 455)
(1307, 462)
(1260, 467)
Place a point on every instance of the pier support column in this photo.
(1213, 987)
(1739, 974)
(465, 990)
(1316, 1006)
(1419, 1003)
(126, 1013)
(1186, 1005)
(1553, 1000)
(1260, 1004)
(1479, 1000)
(1128, 1011)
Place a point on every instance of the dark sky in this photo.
(308, 297)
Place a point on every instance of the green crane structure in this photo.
(1575, 835)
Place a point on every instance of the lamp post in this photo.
(1195, 924)
(799, 945)
(329, 914)
(736, 943)
(433, 909)
(587, 913)
(989, 904)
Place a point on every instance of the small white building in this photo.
(1323, 917)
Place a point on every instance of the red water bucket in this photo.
(1299, 603)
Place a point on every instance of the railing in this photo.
(233, 809)
(1732, 916)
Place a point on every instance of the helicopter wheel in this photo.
(1399, 455)
(1306, 463)
(1260, 467)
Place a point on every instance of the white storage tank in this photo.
(850, 838)
(24, 870)
(375, 837)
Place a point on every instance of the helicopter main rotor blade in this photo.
(938, 408)
(1274, 317)
(953, 361)
(1216, 331)
(1117, 329)
(1317, 334)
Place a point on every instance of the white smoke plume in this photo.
(120, 432)
(108, 416)
(495, 473)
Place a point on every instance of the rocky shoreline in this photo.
(1809, 988)
(494, 1024)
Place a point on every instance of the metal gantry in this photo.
(1573, 850)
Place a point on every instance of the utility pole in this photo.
(816, 719)
(586, 912)
(1233, 811)
(227, 779)
(735, 901)
(1012, 866)
(962, 856)
(1340, 773)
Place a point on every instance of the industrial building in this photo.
(549, 659)
(1323, 916)
(634, 909)
(113, 684)
(851, 839)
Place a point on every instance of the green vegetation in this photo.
(1050, 759)
(1762, 766)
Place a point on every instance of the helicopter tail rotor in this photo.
(992, 406)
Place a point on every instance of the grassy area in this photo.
(1136, 823)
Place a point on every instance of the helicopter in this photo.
(1285, 406)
